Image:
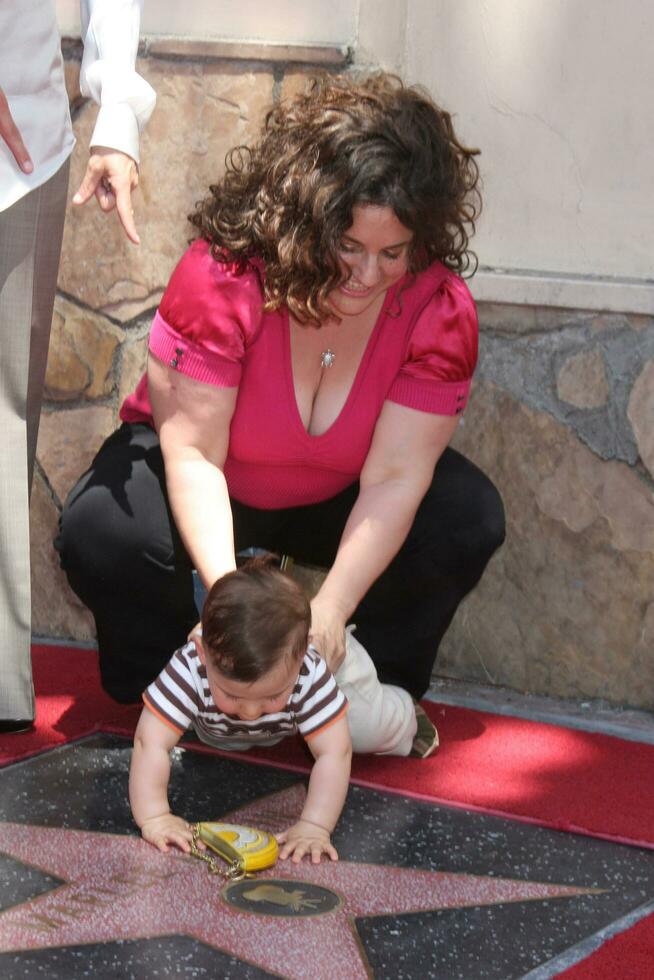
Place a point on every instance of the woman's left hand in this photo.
(328, 631)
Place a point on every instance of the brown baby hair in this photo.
(252, 618)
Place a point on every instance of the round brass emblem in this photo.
(281, 896)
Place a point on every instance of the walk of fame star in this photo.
(118, 887)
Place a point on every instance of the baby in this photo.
(248, 679)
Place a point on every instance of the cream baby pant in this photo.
(381, 717)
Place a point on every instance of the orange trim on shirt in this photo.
(166, 721)
(327, 724)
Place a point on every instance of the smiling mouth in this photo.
(354, 288)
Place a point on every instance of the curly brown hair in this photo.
(288, 199)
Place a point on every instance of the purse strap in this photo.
(234, 870)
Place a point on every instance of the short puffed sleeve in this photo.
(207, 318)
(441, 353)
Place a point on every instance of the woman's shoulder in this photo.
(204, 294)
(204, 275)
(443, 338)
(438, 286)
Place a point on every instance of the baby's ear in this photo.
(196, 637)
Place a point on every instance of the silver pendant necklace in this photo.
(327, 358)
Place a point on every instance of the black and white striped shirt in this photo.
(181, 698)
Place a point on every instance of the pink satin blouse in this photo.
(210, 325)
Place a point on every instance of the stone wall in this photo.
(562, 413)
(562, 417)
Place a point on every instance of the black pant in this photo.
(125, 560)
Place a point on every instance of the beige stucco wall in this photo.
(554, 91)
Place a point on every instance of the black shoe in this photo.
(14, 726)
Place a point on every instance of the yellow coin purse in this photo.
(244, 849)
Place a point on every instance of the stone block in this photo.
(611, 322)
(202, 111)
(295, 82)
(71, 78)
(540, 369)
(641, 414)
(582, 380)
(81, 357)
(513, 319)
(68, 441)
(566, 603)
(56, 610)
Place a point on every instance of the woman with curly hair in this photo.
(308, 365)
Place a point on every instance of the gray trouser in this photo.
(30, 245)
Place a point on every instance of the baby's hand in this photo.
(303, 838)
(167, 829)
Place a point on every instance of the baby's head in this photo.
(255, 630)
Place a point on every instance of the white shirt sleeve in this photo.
(110, 32)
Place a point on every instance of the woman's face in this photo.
(374, 254)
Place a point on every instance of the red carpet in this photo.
(558, 777)
(561, 778)
(628, 956)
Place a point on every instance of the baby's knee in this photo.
(384, 724)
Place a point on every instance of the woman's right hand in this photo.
(327, 633)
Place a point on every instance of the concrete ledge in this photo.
(590, 716)
(532, 288)
(314, 54)
(160, 46)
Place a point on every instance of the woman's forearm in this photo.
(200, 504)
(375, 531)
(193, 423)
